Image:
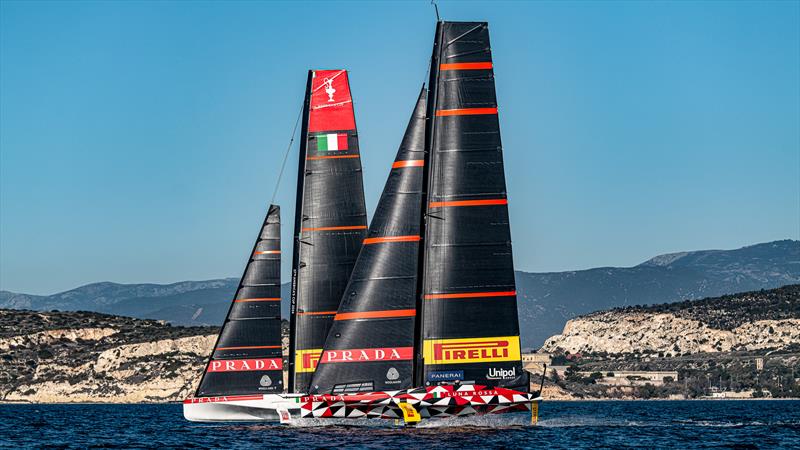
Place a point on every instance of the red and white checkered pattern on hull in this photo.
(430, 402)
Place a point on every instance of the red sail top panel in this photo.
(331, 104)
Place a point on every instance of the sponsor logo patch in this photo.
(392, 376)
(471, 350)
(501, 374)
(265, 381)
(244, 365)
(446, 375)
(306, 360)
(368, 354)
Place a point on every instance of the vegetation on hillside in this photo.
(730, 311)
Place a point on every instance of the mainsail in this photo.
(470, 329)
(330, 218)
(247, 356)
(371, 344)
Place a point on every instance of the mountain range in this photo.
(546, 300)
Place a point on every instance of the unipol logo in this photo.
(329, 89)
(501, 374)
(368, 354)
(471, 350)
(243, 365)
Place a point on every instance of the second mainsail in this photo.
(331, 218)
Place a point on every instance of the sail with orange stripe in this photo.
(247, 357)
(330, 220)
(470, 328)
(371, 344)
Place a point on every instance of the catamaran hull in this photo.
(249, 408)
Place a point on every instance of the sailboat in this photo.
(425, 323)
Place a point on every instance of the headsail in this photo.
(370, 346)
(470, 329)
(331, 218)
(247, 356)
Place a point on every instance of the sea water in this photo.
(606, 424)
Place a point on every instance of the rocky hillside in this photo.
(758, 320)
(91, 357)
(547, 300)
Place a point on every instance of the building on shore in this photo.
(626, 377)
(535, 362)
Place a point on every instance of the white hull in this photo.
(246, 408)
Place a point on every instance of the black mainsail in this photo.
(330, 220)
(444, 311)
(371, 344)
(247, 356)
(470, 328)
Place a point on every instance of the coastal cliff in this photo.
(57, 357)
(760, 320)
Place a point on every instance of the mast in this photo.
(371, 344)
(247, 355)
(298, 223)
(470, 326)
(330, 221)
(426, 170)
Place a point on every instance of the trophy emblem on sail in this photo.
(329, 89)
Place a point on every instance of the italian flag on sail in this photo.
(331, 142)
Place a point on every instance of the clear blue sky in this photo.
(140, 141)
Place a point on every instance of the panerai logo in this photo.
(501, 374)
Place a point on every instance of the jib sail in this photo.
(330, 221)
(470, 329)
(247, 356)
(371, 344)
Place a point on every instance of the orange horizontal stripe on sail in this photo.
(408, 163)
(262, 299)
(313, 158)
(471, 295)
(466, 66)
(378, 240)
(247, 347)
(465, 111)
(496, 201)
(354, 227)
(268, 252)
(376, 314)
(317, 313)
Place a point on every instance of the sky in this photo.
(141, 141)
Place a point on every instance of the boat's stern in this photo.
(242, 408)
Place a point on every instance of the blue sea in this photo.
(613, 424)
